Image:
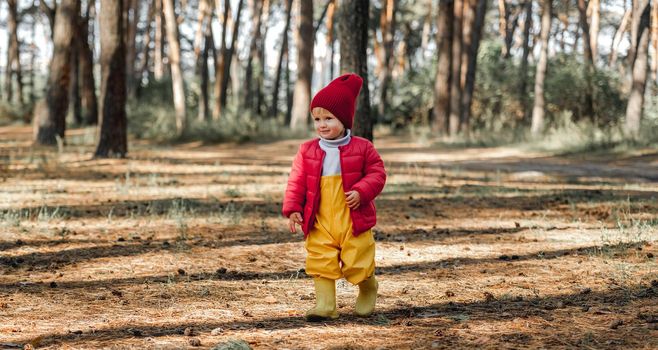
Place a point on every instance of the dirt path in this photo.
(487, 248)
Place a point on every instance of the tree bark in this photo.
(469, 84)
(175, 64)
(204, 108)
(257, 7)
(51, 125)
(509, 20)
(503, 18)
(640, 65)
(635, 25)
(387, 25)
(589, 60)
(353, 32)
(74, 88)
(13, 67)
(523, 71)
(200, 33)
(260, 78)
(305, 41)
(331, 39)
(88, 99)
(654, 40)
(229, 56)
(50, 12)
(144, 68)
(287, 85)
(618, 36)
(112, 134)
(274, 108)
(441, 109)
(455, 83)
(220, 63)
(594, 29)
(427, 27)
(158, 64)
(132, 13)
(538, 109)
(582, 9)
(564, 19)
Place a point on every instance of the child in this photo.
(330, 193)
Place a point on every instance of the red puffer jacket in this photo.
(362, 170)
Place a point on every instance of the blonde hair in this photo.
(320, 110)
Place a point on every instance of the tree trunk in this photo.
(564, 18)
(255, 47)
(523, 72)
(31, 73)
(640, 65)
(538, 109)
(175, 64)
(618, 36)
(654, 40)
(220, 64)
(427, 28)
(387, 25)
(145, 51)
(200, 33)
(13, 67)
(50, 13)
(455, 83)
(469, 85)
(589, 60)
(302, 92)
(353, 32)
(287, 85)
(503, 18)
(509, 20)
(208, 45)
(229, 56)
(331, 40)
(131, 50)
(594, 29)
(260, 76)
(635, 26)
(468, 17)
(51, 125)
(88, 99)
(112, 135)
(274, 108)
(158, 64)
(74, 88)
(441, 109)
(582, 9)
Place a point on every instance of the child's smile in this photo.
(327, 125)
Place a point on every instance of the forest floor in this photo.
(184, 246)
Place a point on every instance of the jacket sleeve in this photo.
(295, 195)
(372, 184)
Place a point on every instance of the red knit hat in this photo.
(339, 97)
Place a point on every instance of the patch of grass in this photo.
(47, 214)
(232, 214)
(233, 192)
(13, 218)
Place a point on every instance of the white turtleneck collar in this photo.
(337, 142)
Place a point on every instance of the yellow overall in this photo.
(332, 250)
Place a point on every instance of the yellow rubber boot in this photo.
(325, 301)
(365, 302)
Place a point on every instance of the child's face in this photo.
(326, 124)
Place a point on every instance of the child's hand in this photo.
(353, 199)
(295, 218)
